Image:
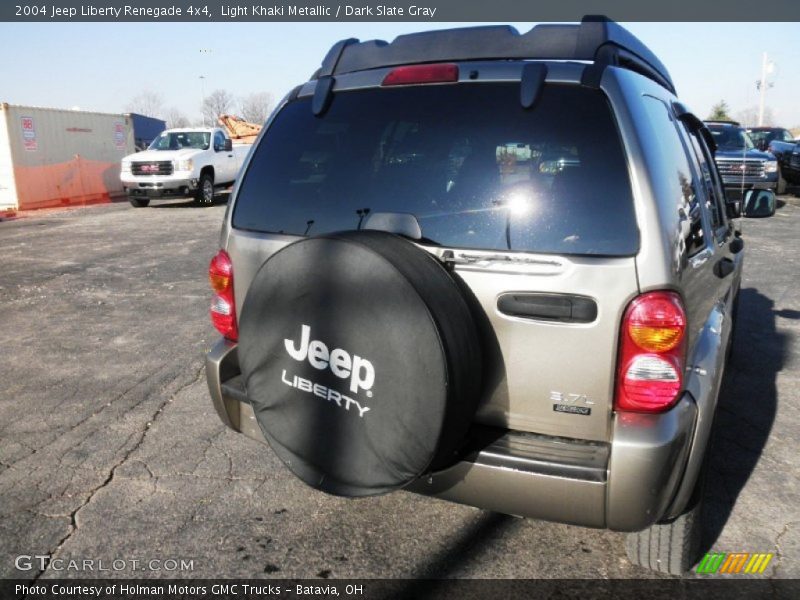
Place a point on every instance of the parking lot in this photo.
(110, 448)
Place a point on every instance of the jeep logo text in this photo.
(359, 370)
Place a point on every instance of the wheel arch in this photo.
(208, 170)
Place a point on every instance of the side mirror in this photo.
(758, 204)
(228, 145)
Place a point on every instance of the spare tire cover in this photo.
(361, 361)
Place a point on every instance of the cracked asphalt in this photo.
(110, 449)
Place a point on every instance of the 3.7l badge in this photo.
(574, 404)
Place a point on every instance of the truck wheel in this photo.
(205, 190)
(139, 202)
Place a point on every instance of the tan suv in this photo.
(497, 268)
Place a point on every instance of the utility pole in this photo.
(203, 97)
(767, 67)
(205, 51)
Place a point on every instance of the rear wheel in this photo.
(205, 190)
(139, 202)
(361, 361)
(674, 547)
(669, 547)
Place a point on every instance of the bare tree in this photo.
(749, 116)
(175, 118)
(256, 107)
(217, 103)
(147, 103)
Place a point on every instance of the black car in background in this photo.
(763, 136)
(788, 156)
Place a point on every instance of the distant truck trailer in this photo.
(54, 157)
(145, 129)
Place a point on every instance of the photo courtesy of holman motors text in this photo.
(133, 590)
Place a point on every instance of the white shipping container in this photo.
(53, 157)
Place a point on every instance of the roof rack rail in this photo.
(595, 39)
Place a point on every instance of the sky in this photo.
(102, 66)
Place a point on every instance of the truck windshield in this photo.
(474, 167)
(198, 140)
(762, 137)
(731, 138)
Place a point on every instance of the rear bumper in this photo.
(626, 485)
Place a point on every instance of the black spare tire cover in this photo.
(361, 361)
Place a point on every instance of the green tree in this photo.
(719, 112)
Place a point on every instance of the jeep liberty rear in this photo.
(484, 280)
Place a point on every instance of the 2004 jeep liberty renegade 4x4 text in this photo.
(492, 267)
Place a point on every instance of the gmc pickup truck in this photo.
(742, 166)
(183, 162)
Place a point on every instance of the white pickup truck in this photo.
(183, 162)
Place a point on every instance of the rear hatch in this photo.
(533, 207)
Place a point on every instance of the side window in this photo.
(787, 136)
(219, 139)
(715, 199)
(676, 171)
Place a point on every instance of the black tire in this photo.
(398, 320)
(204, 196)
(138, 202)
(672, 547)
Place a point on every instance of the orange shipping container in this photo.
(53, 157)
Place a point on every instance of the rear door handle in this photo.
(724, 267)
(566, 308)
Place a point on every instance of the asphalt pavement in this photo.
(110, 448)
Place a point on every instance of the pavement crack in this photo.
(97, 412)
(778, 550)
(73, 516)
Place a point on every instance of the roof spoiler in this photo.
(596, 39)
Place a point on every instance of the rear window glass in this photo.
(475, 168)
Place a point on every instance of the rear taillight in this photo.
(652, 353)
(414, 74)
(223, 308)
